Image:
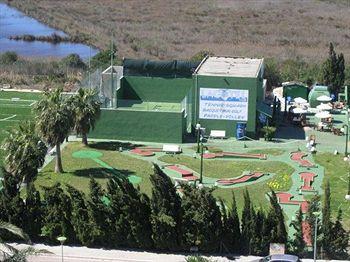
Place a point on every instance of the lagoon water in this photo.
(14, 22)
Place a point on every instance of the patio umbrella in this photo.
(300, 100)
(299, 111)
(323, 114)
(324, 98)
(324, 107)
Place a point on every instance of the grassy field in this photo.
(78, 171)
(232, 168)
(14, 108)
(336, 171)
(163, 29)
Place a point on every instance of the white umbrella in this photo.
(323, 114)
(299, 111)
(324, 98)
(324, 107)
(300, 100)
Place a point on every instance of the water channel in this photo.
(14, 22)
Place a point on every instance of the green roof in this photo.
(264, 109)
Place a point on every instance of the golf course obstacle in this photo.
(308, 179)
(186, 174)
(285, 198)
(299, 157)
(145, 151)
(241, 179)
(95, 156)
(234, 155)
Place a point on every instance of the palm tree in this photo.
(54, 120)
(24, 152)
(87, 110)
(11, 254)
(7, 227)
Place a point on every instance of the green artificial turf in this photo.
(336, 170)
(268, 151)
(78, 170)
(12, 112)
(234, 168)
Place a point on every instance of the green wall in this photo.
(253, 85)
(295, 90)
(140, 126)
(155, 89)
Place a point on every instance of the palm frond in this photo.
(14, 230)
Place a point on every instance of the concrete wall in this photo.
(253, 85)
(140, 126)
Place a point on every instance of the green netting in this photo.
(175, 68)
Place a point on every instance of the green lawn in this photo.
(336, 171)
(233, 168)
(78, 171)
(269, 151)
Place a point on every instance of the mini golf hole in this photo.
(87, 154)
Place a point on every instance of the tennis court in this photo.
(15, 107)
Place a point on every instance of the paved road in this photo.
(56, 258)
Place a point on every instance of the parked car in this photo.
(280, 258)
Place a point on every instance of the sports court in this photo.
(15, 107)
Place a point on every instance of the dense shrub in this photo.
(8, 58)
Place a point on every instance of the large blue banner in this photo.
(224, 104)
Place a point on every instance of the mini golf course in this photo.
(234, 155)
(95, 155)
(304, 182)
(241, 179)
(145, 151)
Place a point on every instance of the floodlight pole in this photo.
(112, 53)
(201, 171)
(198, 129)
(62, 239)
(346, 139)
(316, 214)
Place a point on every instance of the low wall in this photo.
(134, 125)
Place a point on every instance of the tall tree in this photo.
(200, 219)
(24, 152)
(57, 214)
(54, 120)
(334, 70)
(256, 243)
(86, 109)
(326, 220)
(33, 213)
(339, 240)
(81, 218)
(246, 231)
(11, 203)
(232, 229)
(165, 204)
(298, 243)
(279, 234)
(314, 206)
(99, 213)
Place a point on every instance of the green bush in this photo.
(269, 132)
(73, 61)
(8, 58)
(197, 259)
